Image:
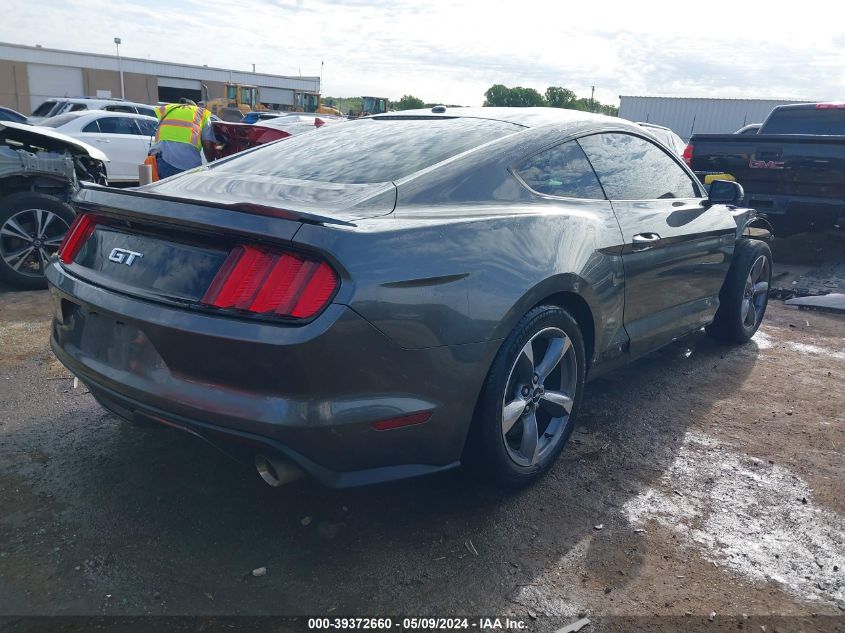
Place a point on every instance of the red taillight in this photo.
(687, 155)
(830, 106)
(406, 420)
(270, 282)
(76, 236)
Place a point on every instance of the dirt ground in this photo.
(704, 482)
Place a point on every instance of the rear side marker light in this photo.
(76, 236)
(406, 420)
(264, 281)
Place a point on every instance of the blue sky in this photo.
(453, 51)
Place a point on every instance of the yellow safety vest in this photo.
(181, 123)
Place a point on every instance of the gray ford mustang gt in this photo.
(383, 298)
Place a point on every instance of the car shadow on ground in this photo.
(169, 525)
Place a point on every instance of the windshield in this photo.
(44, 108)
(806, 121)
(368, 150)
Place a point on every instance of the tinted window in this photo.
(120, 108)
(115, 125)
(148, 128)
(76, 107)
(93, 127)
(368, 150)
(563, 171)
(147, 111)
(631, 168)
(44, 108)
(10, 115)
(806, 121)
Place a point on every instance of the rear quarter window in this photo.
(368, 150)
(561, 171)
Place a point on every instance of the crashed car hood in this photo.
(46, 138)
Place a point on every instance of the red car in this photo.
(236, 137)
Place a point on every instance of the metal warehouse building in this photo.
(688, 116)
(32, 74)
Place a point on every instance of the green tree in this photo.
(497, 96)
(527, 97)
(558, 97)
(408, 102)
(518, 97)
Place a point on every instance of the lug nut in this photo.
(525, 391)
(536, 379)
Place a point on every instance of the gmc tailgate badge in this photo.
(123, 256)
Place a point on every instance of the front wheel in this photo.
(531, 397)
(32, 226)
(745, 293)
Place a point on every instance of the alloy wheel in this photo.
(755, 292)
(29, 238)
(539, 396)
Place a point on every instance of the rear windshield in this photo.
(58, 121)
(806, 121)
(368, 150)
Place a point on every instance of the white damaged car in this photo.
(40, 172)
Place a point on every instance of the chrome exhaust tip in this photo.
(277, 471)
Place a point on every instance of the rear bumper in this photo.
(804, 207)
(310, 393)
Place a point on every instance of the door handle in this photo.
(103, 140)
(645, 241)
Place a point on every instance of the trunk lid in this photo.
(168, 244)
(323, 202)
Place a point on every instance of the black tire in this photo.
(732, 323)
(27, 273)
(492, 451)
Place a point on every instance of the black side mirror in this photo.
(725, 192)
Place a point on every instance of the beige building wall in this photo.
(14, 86)
(95, 80)
(139, 88)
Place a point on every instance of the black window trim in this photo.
(696, 183)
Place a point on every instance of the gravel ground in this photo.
(701, 480)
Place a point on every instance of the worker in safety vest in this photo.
(182, 128)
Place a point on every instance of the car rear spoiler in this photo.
(91, 195)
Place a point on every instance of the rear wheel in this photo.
(32, 226)
(745, 293)
(531, 397)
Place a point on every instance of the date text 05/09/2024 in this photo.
(420, 623)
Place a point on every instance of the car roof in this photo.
(646, 124)
(107, 101)
(100, 113)
(526, 117)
